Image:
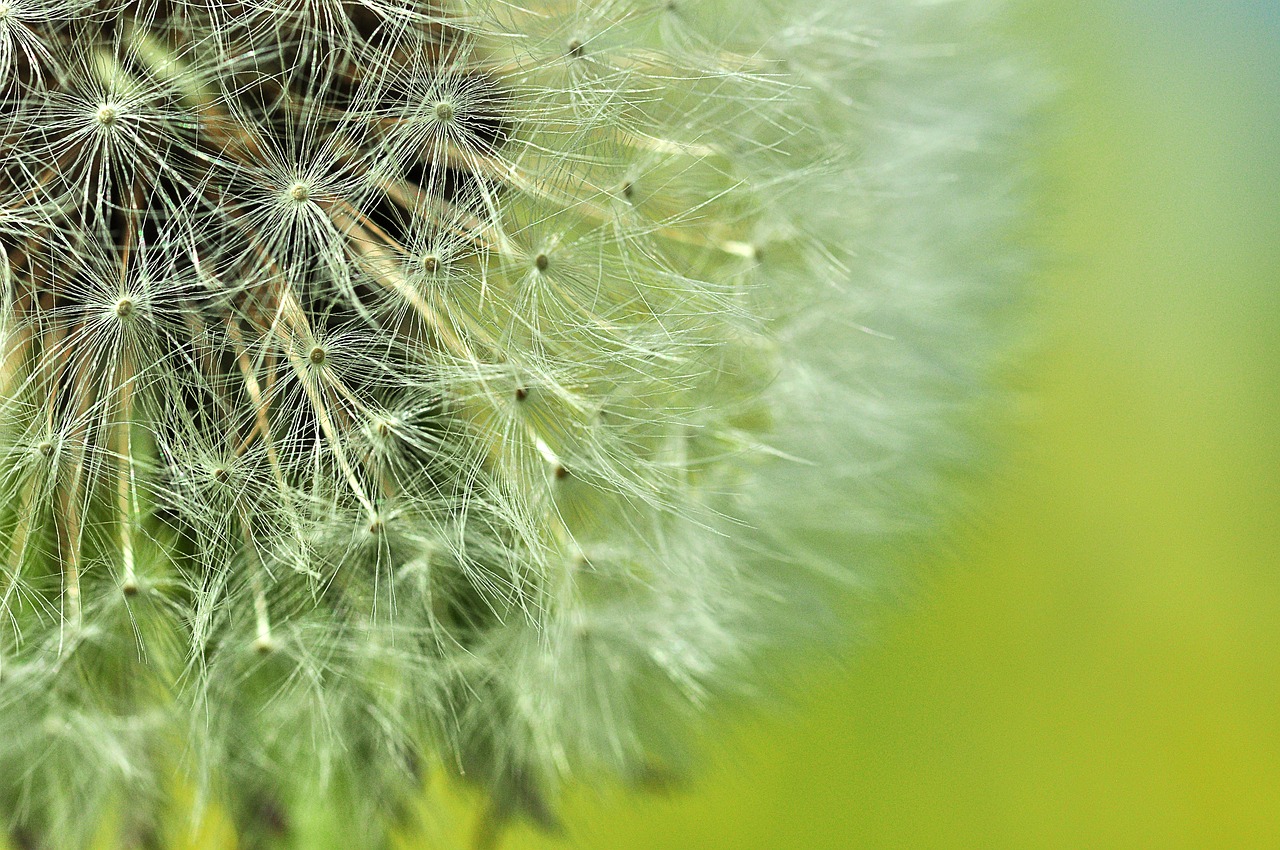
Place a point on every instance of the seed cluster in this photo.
(383, 386)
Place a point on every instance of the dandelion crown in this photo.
(475, 386)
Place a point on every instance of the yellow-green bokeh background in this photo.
(1100, 665)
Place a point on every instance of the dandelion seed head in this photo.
(482, 387)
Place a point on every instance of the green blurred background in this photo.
(1100, 666)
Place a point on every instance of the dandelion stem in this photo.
(126, 485)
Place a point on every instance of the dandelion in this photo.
(473, 387)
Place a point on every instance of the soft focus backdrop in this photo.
(1100, 666)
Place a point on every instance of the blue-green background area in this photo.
(1099, 666)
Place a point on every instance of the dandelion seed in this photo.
(106, 115)
(445, 112)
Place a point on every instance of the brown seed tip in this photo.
(541, 262)
(318, 355)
